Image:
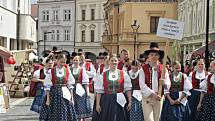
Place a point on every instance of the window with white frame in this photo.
(53, 35)
(45, 15)
(45, 37)
(83, 14)
(83, 36)
(57, 35)
(55, 15)
(67, 15)
(66, 35)
(92, 35)
(92, 14)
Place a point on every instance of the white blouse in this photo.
(85, 77)
(204, 84)
(147, 91)
(187, 85)
(60, 73)
(98, 85)
(37, 73)
(92, 71)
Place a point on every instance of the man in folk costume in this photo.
(91, 71)
(124, 61)
(100, 63)
(151, 80)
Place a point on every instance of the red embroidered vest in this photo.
(54, 78)
(177, 86)
(78, 77)
(42, 75)
(101, 68)
(196, 82)
(113, 87)
(148, 74)
(135, 83)
(211, 88)
(120, 65)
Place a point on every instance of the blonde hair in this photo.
(112, 56)
(61, 57)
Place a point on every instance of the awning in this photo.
(4, 52)
(200, 53)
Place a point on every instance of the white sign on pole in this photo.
(171, 29)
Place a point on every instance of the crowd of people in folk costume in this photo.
(122, 90)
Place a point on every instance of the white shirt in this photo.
(99, 87)
(204, 84)
(145, 89)
(37, 73)
(60, 73)
(92, 71)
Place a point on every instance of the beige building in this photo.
(193, 14)
(120, 15)
(89, 26)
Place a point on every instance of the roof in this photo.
(200, 52)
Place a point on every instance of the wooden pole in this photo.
(160, 88)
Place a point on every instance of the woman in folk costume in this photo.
(38, 79)
(150, 82)
(175, 106)
(91, 71)
(99, 77)
(81, 96)
(110, 100)
(196, 77)
(206, 104)
(58, 104)
(136, 113)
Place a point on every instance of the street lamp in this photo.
(207, 63)
(135, 28)
(46, 34)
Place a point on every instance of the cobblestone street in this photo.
(20, 111)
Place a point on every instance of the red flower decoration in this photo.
(11, 60)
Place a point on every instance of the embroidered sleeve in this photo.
(71, 80)
(203, 85)
(167, 82)
(127, 82)
(48, 82)
(85, 77)
(190, 76)
(144, 88)
(98, 85)
(187, 85)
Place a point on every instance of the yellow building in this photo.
(120, 15)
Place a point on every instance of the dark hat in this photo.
(105, 54)
(160, 52)
(100, 54)
(74, 54)
(154, 45)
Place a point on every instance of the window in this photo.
(92, 14)
(55, 15)
(92, 33)
(45, 15)
(53, 35)
(57, 35)
(83, 36)
(45, 37)
(154, 24)
(83, 14)
(66, 35)
(67, 15)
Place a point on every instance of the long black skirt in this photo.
(110, 109)
(207, 112)
(60, 109)
(193, 101)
